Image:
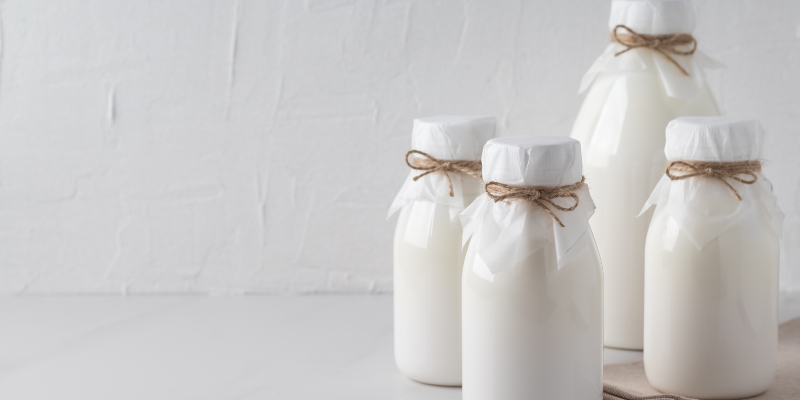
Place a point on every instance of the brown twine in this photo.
(432, 164)
(538, 195)
(614, 393)
(718, 170)
(659, 43)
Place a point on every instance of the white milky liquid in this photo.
(428, 258)
(711, 314)
(535, 332)
(621, 127)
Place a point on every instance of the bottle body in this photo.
(535, 331)
(711, 313)
(621, 128)
(428, 259)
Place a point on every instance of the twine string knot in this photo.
(541, 196)
(675, 44)
(718, 170)
(431, 164)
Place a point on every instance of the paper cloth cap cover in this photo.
(704, 207)
(452, 137)
(653, 17)
(445, 138)
(714, 139)
(532, 161)
(506, 232)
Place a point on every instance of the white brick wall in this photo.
(255, 146)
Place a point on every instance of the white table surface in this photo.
(201, 348)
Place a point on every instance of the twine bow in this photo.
(718, 170)
(538, 195)
(614, 393)
(430, 164)
(663, 44)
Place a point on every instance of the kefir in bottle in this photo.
(711, 264)
(532, 289)
(631, 98)
(428, 256)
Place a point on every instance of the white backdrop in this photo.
(255, 146)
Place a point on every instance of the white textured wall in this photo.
(254, 146)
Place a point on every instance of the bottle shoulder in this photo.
(624, 116)
(424, 224)
(750, 231)
(582, 261)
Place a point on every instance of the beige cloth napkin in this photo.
(630, 377)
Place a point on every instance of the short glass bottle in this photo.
(428, 255)
(711, 264)
(532, 289)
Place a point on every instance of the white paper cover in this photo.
(446, 138)
(704, 208)
(505, 233)
(654, 17)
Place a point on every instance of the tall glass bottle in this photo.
(711, 264)
(631, 98)
(532, 289)
(428, 256)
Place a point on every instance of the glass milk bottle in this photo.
(711, 264)
(631, 98)
(428, 255)
(532, 288)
